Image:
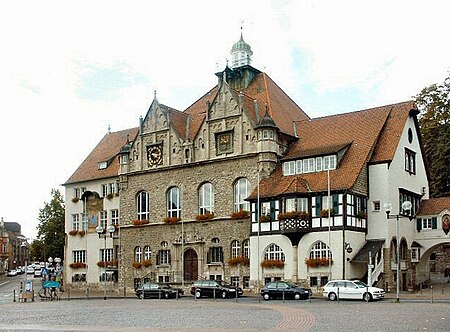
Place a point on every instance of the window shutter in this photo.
(158, 260)
(419, 224)
(318, 205)
(169, 257)
(434, 223)
(335, 204)
(272, 210)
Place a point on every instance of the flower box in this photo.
(110, 196)
(107, 263)
(139, 222)
(136, 265)
(146, 263)
(324, 213)
(78, 265)
(75, 200)
(272, 263)
(171, 220)
(317, 262)
(361, 215)
(239, 260)
(264, 219)
(73, 232)
(241, 214)
(206, 216)
(81, 233)
(297, 215)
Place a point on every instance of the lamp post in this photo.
(103, 232)
(406, 208)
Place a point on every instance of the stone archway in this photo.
(190, 265)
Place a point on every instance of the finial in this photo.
(154, 92)
(109, 129)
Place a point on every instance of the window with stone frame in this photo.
(215, 255)
(410, 161)
(103, 219)
(147, 253)
(206, 198)
(106, 255)
(138, 254)
(320, 250)
(241, 192)
(75, 221)
(143, 206)
(115, 217)
(274, 252)
(79, 256)
(163, 257)
(235, 249)
(246, 248)
(173, 203)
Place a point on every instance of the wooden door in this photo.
(190, 265)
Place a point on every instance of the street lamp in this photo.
(103, 232)
(406, 208)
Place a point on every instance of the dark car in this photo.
(286, 290)
(214, 288)
(158, 291)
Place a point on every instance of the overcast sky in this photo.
(70, 69)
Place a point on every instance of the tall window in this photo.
(206, 198)
(147, 253)
(75, 222)
(84, 222)
(79, 256)
(296, 204)
(163, 257)
(320, 250)
(410, 161)
(235, 248)
(241, 192)
(103, 218)
(246, 248)
(115, 217)
(274, 252)
(112, 187)
(104, 190)
(173, 202)
(138, 254)
(106, 255)
(142, 204)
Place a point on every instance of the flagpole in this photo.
(329, 224)
(257, 222)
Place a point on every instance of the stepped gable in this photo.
(106, 151)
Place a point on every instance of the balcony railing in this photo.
(295, 225)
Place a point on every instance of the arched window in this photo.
(320, 250)
(138, 254)
(241, 192)
(274, 252)
(403, 249)
(235, 248)
(206, 198)
(147, 253)
(142, 206)
(246, 248)
(173, 203)
(393, 250)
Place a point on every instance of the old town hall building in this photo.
(244, 186)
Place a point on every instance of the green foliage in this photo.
(51, 226)
(37, 251)
(434, 120)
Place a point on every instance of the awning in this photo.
(363, 255)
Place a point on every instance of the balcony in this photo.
(295, 225)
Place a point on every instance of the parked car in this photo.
(351, 289)
(30, 270)
(12, 273)
(158, 290)
(214, 288)
(286, 290)
(37, 273)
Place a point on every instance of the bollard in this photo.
(236, 294)
(68, 294)
(367, 291)
(338, 294)
(124, 292)
(283, 295)
(214, 294)
(87, 293)
(14, 295)
(195, 293)
(159, 294)
(432, 294)
(309, 297)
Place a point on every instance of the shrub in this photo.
(78, 265)
(264, 219)
(272, 263)
(316, 262)
(244, 261)
(361, 215)
(75, 200)
(110, 196)
(81, 233)
(206, 216)
(137, 265)
(171, 220)
(324, 213)
(73, 232)
(241, 214)
(301, 215)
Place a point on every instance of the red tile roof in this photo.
(361, 131)
(106, 150)
(433, 206)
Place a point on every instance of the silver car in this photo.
(351, 289)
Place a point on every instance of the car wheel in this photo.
(198, 294)
(367, 297)
(266, 296)
(332, 297)
(141, 296)
(166, 295)
(224, 295)
(297, 296)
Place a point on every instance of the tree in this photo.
(36, 251)
(434, 120)
(51, 226)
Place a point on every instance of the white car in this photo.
(351, 289)
(12, 273)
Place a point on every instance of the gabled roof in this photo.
(359, 131)
(106, 151)
(433, 206)
(363, 254)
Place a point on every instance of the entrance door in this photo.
(190, 265)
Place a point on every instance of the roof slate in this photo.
(107, 149)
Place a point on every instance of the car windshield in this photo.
(291, 285)
(360, 284)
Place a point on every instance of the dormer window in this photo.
(309, 165)
(102, 165)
